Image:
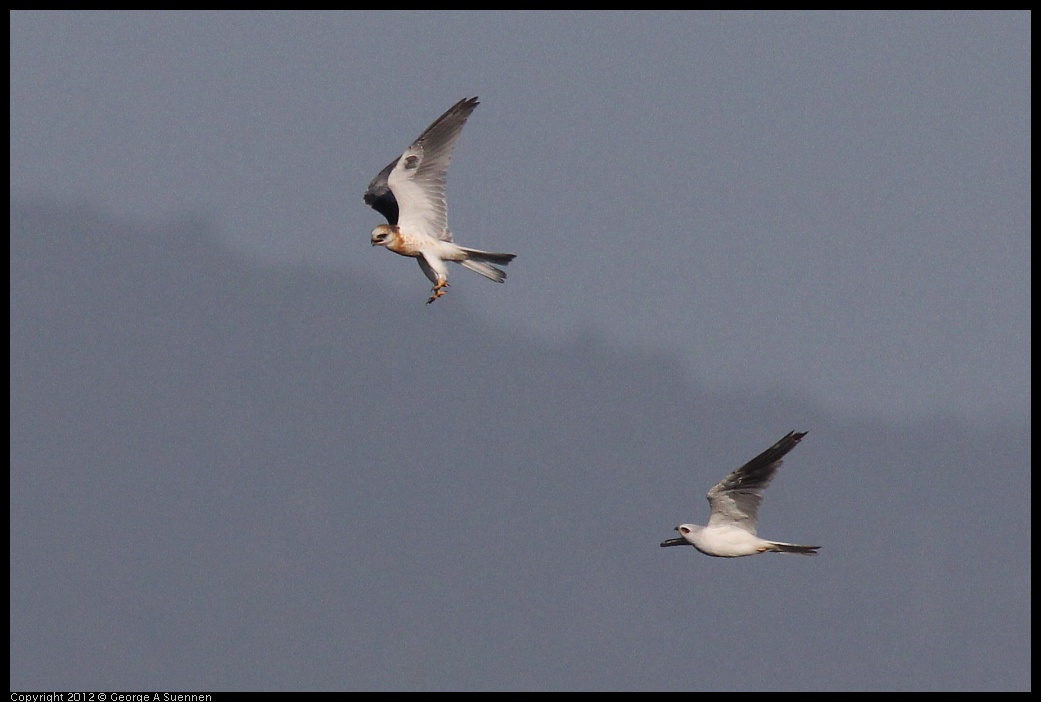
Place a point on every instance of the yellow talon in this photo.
(438, 291)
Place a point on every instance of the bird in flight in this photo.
(410, 193)
(734, 503)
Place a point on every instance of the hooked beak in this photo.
(675, 542)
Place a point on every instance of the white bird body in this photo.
(734, 504)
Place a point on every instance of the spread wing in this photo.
(410, 191)
(736, 498)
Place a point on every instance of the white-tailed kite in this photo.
(410, 193)
(734, 502)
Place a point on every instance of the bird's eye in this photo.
(684, 530)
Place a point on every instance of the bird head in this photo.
(683, 529)
(382, 235)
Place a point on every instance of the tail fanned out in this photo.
(481, 262)
(781, 547)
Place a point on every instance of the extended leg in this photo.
(436, 272)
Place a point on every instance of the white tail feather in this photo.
(481, 262)
(781, 547)
(486, 269)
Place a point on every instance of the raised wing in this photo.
(735, 500)
(379, 197)
(410, 192)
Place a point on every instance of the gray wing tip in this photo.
(782, 447)
(787, 443)
(758, 472)
(459, 113)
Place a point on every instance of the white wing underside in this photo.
(418, 179)
(421, 197)
(738, 509)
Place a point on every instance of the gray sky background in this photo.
(246, 455)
